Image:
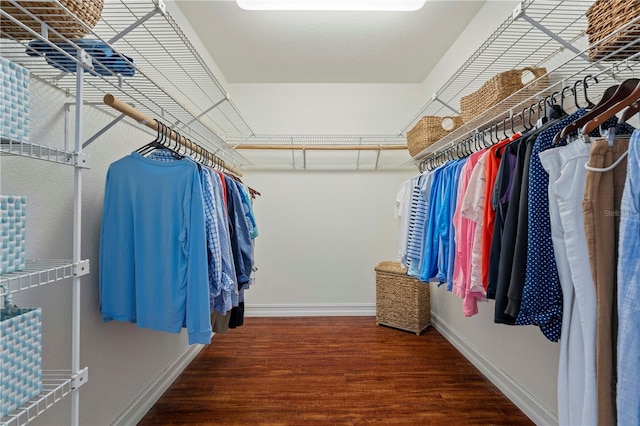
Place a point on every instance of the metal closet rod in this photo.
(142, 118)
(326, 147)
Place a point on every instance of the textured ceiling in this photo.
(327, 47)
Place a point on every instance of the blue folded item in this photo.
(106, 60)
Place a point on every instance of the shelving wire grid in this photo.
(607, 70)
(514, 45)
(56, 384)
(181, 96)
(37, 273)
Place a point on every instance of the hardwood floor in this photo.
(331, 370)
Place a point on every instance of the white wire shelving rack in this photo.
(56, 384)
(539, 33)
(172, 82)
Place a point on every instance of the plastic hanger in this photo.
(612, 110)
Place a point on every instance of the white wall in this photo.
(122, 359)
(321, 235)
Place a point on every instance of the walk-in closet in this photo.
(319, 212)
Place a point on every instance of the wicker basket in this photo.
(69, 25)
(20, 356)
(429, 130)
(402, 302)
(605, 17)
(498, 88)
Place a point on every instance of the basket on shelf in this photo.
(12, 233)
(500, 87)
(606, 18)
(428, 131)
(402, 301)
(14, 101)
(20, 356)
(82, 15)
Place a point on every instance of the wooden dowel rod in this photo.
(144, 119)
(326, 147)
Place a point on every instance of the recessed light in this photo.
(334, 5)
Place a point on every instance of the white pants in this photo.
(577, 391)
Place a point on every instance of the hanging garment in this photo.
(444, 213)
(225, 297)
(541, 302)
(512, 228)
(426, 267)
(402, 211)
(500, 203)
(420, 194)
(602, 201)
(473, 209)
(454, 187)
(464, 232)
(577, 390)
(489, 213)
(514, 272)
(628, 392)
(153, 254)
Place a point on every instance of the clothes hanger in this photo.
(630, 112)
(610, 96)
(562, 97)
(612, 110)
(145, 149)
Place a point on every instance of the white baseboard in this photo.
(311, 310)
(143, 403)
(523, 399)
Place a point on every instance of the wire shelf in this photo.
(33, 150)
(503, 46)
(171, 81)
(56, 385)
(612, 73)
(515, 44)
(319, 139)
(40, 272)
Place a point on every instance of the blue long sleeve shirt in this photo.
(153, 253)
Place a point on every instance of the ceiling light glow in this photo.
(334, 5)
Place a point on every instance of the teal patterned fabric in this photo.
(20, 357)
(14, 101)
(12, 237)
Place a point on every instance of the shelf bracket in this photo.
(81, 268)
(102, 131)
(205, 112)
(80, 378)
(519, 12)
(80, 160)
(160, 8)
(377, 159)
(304, 158)
(437, 99)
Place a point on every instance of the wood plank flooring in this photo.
(331, 370)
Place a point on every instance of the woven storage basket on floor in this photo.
(85, 11)
(428, 131)
(605, 17)
(402, 301)
(20, 357)
(498, 88)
